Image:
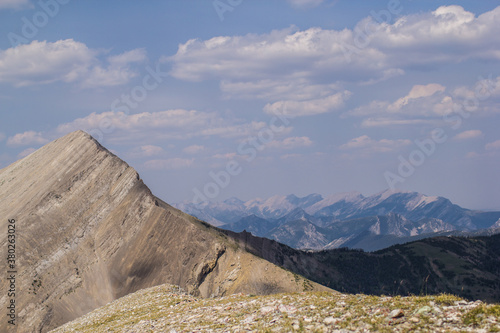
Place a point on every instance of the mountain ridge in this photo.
(422, 215)
(90, 231)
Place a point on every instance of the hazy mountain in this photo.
(252, 223)
(278, 206)
(233, 209)
(347, 219)
(301, 233)
(332, 204)
(89, 231)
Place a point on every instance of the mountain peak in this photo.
(234, 201)
(81, 209)
(389, 192)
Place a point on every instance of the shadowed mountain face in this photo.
(466, 267)
(88, 231)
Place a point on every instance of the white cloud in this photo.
(427, 104)
(170, 119)
(286, 54)
(305, 3)
(118, 71)
(26, 152)
(136, 55)
(162, 125)
(27, 138)
(495, 145)
(309, 107)
(369, 145)
(418, 91)
(484, 96)
(16, 4)
(466, 135)
(42, 62)
(382, 122)
(145, 151)
(314, 56)
(193, 149)
(291, 143)
(169, 164)
(422, 100)
(278, 89)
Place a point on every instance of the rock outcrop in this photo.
(167, 309)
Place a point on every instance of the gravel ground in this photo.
(167, 308)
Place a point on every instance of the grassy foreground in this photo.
(166, 308)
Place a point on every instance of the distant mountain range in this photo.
(346, 219)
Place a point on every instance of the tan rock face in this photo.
(88, 231)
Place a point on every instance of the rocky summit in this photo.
(89, 231)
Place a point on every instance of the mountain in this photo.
(468, 267)
(252, 223)
(233, 209)
(347, 219)
(88, 231)
(301, 233)
(277, 206)
(330, 205)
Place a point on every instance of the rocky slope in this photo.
(167, 309)
(88, 231)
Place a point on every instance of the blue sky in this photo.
(213, 99)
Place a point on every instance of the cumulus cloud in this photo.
(495, 145)
(422, 100)
(170, 119)
(466, 135)
(26, 139)
(162, 125)
(118, 71)
(484, 96)
(291, 143)
(382, 122)
(278, 89)
(145, 151)
(366, 144)
(169, 164)
(309, 107)
(282, 54)
(416, 92)
(426, 104)
(42, 62)
(246, 64)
